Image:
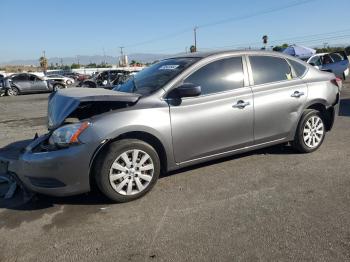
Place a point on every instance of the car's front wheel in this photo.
(310, 132)
(13, 91)
(58, 86)
(127, 170)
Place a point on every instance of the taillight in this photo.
(337, 81)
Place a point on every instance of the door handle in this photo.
(241, 104)
(297, 94)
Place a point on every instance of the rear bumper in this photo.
(62, 172)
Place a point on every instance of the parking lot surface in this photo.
(268, 205)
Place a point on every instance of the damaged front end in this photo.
(69, 113)
(83, 103)
(58, 163)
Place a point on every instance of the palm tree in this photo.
(43, 63)
(265, 38)
(193, 49)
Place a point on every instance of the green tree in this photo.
(91, 65)
(75, 66)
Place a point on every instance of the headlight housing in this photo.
(68, 134)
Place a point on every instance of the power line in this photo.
(301, 38)
(227, 20)
(258, 13)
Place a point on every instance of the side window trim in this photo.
(294, 71)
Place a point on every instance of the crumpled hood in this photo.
(63, 102)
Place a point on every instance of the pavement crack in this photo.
(156, 232)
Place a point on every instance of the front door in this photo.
(220, 119)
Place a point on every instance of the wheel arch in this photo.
(147, 137)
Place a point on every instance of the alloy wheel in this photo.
(13, 91)
(313, 131)
(131, 172)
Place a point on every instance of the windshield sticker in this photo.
(168, 67)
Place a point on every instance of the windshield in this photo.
(156, 76)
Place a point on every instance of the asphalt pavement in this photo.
(267, 205)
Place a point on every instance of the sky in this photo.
(66, 28)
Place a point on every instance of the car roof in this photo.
(233, 52)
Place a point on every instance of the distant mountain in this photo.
(84, 59)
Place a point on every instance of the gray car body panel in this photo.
(63, 103)
(193, 131)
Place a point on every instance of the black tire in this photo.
(299, 143)
(88, 85)
(344, 77)
(106, 159)
(13, 91)
(58, 86)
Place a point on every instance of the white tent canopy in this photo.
(302, 52)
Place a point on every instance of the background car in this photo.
(29, 83)
(3, 86)
(336, 63)
(107, 79)
(58, 78)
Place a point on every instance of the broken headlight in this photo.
(68, 134)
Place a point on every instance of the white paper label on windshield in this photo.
(168, 67)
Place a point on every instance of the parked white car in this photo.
(336, 62)
(66, 80)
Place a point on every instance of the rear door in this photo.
(279, 97)
(37, 84)
(213, 122)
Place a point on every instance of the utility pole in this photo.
(121, 59)
(121, 50)
(195, 37)
(104, 56)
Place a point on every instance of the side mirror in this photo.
(188, 90)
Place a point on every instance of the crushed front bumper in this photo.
(61, 172)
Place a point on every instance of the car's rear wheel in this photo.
(310, 132)
(127, 170)
(88, 85)
(13, 91)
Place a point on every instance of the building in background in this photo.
(123, 61)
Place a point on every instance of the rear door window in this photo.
(269, 69)
(337, 57)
